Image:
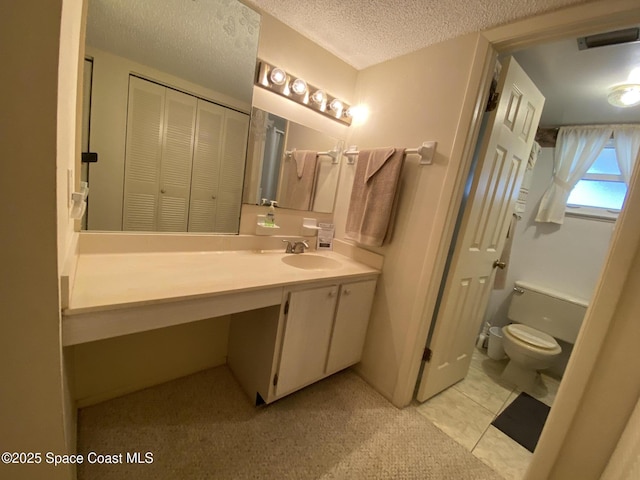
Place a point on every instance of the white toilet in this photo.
(539, 316)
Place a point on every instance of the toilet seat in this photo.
(532, 337)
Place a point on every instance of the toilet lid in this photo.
(532, 336)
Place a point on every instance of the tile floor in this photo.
(465, 412)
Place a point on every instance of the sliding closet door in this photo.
(234, 150)
(206, 167)
(175, 166)
(143, 153)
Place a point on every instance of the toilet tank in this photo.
(549, 311)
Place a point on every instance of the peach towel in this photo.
(298, 180)
(373, 197)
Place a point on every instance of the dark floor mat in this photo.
(523, 420)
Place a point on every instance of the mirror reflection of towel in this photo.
(373, 197)
(298, 180)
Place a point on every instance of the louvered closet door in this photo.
(175, 166)
(236, 128)
(206, 167)
(142, 155)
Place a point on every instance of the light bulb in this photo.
(299, 86)
(631, 96)
(278, 76)
(319, 97)
(626, 95)
(336, 105)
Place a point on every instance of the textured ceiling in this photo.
(575, 82)
(212, 43)
(366, 32)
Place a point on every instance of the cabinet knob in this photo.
(213, 197)
(162, 190)
(332, 293)
(347, 291)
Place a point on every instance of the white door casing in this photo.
(503, 159)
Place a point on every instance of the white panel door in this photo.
(177, 157)
(350, 326)
(207, 157)
(234, 151)
(143, 152)
(306, 338)
(503, 159)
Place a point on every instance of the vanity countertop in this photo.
(111, 281)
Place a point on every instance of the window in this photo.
(601, 191)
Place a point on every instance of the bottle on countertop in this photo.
(270, 219)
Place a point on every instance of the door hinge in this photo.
(286, 307)
(426, 356)
(492, 103)
(275, 380)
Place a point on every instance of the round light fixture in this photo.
(278, 76)
(336, 105)
(299, 86)
(626, 95)
(319, 97)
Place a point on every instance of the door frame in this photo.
(567, 23)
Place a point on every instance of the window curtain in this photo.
(576, 150)
(626, 140)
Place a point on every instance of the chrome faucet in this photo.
(289, 246)
(299, 247)
(295, 247)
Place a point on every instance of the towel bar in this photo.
(426, 152)
(330, 153)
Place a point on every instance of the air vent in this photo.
(627, 35)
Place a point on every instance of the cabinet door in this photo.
(350, 328)
(306, 338)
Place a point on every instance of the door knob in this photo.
(499, 264)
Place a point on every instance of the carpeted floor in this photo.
(204, 427)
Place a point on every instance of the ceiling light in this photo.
(626, 95)
(278, 76)
(299, 86)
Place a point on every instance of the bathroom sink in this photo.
(308, 261)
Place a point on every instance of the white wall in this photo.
(109, 368)
(36, 141)
(411, 99)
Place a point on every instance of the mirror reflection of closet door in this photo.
(158, 158)
(206, 168)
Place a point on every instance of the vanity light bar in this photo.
(294, 88)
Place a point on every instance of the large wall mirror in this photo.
(167, 109)
(294, 165)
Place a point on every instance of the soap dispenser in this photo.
(270, 219)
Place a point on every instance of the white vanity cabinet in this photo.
(308, 322)
(319, 330)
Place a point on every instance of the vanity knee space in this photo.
(318, 330)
